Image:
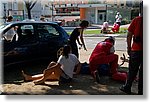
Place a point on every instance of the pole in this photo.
(106, 13)
(52, 11)
(4, 12)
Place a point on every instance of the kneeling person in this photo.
(104, 54)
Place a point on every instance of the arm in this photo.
(78, 68)
(112, 49)
(129, 39)
(53, 65)
(79, 42)
(81, 38)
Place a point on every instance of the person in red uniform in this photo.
(135, 51)
(115, 27)
(104, 54)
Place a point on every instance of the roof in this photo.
(31, 21)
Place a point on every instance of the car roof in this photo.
(31, 22)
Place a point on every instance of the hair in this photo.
(42, 18)
(84, 24)
(9, 18)
(111, 39)
(66, 51)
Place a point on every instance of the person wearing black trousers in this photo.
(77, 35)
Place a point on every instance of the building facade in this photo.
(95, 11)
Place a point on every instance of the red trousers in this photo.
(111, 59)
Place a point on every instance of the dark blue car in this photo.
(31, 40)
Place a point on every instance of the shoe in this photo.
(97, 77)
(124, 89)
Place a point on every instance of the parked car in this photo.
(33, 40)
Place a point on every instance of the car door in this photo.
(24, 48)
(50, 40)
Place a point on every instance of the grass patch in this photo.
(98, 31)
(95, 31)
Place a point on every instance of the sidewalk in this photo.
(81, 85)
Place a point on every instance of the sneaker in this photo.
(124, 89)
(97, 77)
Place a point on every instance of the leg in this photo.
(134, 63)
(74, 49)
(31, 78)
(140, 82)
(38, 76)
(112, 59)
(51, 64)
(52, 73)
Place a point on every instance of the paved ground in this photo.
(81, 85)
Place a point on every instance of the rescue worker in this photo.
(135, 51)
(104, 54)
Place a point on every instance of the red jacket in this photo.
(136, 28)
(101, 49)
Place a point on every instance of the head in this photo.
(42, 18)
(84, 24)
(110, 39)
(118, 13)
(66, 50)
(9, 18)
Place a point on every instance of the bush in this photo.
(125, 21)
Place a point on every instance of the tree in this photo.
(29, 5)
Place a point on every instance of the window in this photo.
(26, 34)
(47, 31)
(27, 29)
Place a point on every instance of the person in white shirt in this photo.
(9, 35)
(118, 18)
(105, 27)
(63, 70)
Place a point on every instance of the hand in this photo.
(85, 49)
(80, 46)
(129, 51)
